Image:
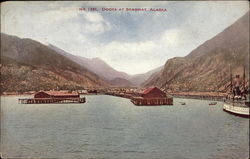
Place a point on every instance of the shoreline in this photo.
(200, 98)
(190, 95)
(215, 96)
(9, 95)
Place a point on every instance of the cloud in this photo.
(130, 48)
(93, 17)
(133, 42)
(66, 27)
(171, 37)
(94, 23)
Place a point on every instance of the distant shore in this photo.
(200, 95)
(7, 95)
(190, 95)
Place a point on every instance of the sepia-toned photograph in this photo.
(124, 80)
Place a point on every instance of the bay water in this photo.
(108, 127)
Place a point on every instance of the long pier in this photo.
(50, 100)
(139, 101)
(123, 95)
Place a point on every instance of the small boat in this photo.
(183, 103)
(212, 103)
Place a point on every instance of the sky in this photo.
(129, 41)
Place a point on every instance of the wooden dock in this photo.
(50, 100)
(139, 101)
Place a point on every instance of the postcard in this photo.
(124, 80)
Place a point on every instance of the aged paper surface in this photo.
(125, 80)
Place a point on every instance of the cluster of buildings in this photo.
(140, 97)
(143, 97)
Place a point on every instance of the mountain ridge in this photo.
(37, 65)
(207, 68)
(121, 82)
(104, 70)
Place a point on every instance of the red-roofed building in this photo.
(153, 92)
(44, 97)
(56, 94)
(151, 97)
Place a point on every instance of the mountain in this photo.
(28, 65)
(95, 65)
(104, 71)
(155, 75)
(138, 79)
(207, 68)
(121, 82)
